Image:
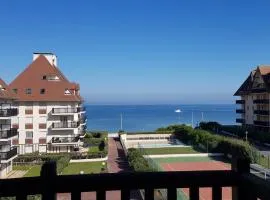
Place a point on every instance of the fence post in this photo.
(241, 166)
(48, 175)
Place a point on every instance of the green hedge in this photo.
(215, 143)
(137, 161)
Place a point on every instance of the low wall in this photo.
(89, 160)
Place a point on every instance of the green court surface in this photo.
(182, 159)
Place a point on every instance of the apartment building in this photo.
(7, 133)
(254, 93)
(51, 116)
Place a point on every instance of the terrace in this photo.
(8, 112)
(244, 185)
(6, 134)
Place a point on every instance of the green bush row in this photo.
(215, 143)
(137, 161)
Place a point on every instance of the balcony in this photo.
(240, 101)
(240, 120)
(64, 111)
(6, 156)
(261, 112)
(65, 125)
(6, 134)
(246, 186)
(258, 90)
(240, 111)
(261, 101)
(83, 120)
(261, 123)
(81, 109)
(9, 112)
(65, 141)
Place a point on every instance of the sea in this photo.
(150, 117)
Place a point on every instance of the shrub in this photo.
(137, 161)
(62, 163)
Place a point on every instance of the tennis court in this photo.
(193, 164)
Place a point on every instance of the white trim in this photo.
(184, 155)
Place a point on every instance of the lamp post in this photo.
(246, 136)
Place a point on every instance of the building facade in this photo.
(7, 112)
(253, 105)
(51, 116)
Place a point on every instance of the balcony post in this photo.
(242, 166)
(48, 174)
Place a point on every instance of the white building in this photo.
(51, 116)
(254, 100)
(7, 133)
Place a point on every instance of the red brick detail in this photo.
(15, 126)
(42, 141)
(42, 126)
(42, 111)
(15, 141)
(29, 112)
(28, 141)
(28, 126)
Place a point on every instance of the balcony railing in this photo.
(64, 110)
(5, 134)
(240, 101)
(239, 120)
(8, 154)
(83, 120)
(8, 112)
(261, 101)
(245, 186)
(258, 90)
(59, 125)
(240, 111)
(64, 140)
(261, 123)
(261, 112)
(81, 109)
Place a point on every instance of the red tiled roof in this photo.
(32, 78)
(5, 91)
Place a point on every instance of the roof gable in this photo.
(41, 75)
(5, 91)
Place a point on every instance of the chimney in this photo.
(52, 58)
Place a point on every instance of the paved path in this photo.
(16, 174)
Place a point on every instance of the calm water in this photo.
(148, 118)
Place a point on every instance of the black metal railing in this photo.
(244, 185)
(240, 101)
(65, 125)
(83, 119)
(261, 112)
(261, 123)
(64, 139)
(240, 120)
(8, 112)
(240, 111)
(8, 154)
(5, 134)
(64, 110)
(261, 101)
(258, 90)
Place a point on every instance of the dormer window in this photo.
(67, 92)
(15, 90)
(44, 77)
(28, 91)
(42, 91)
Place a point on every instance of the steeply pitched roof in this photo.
(246, 87)
(5, 91)
(32, 78)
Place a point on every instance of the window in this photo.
(29, 134)
(15, 91)
(67, 92)
(44, 77)
(28, 91)
(42, 91)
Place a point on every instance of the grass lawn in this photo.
(87, 167)
(93, 149)
(32, 170)
(170, 150)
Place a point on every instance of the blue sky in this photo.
(140, 51)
